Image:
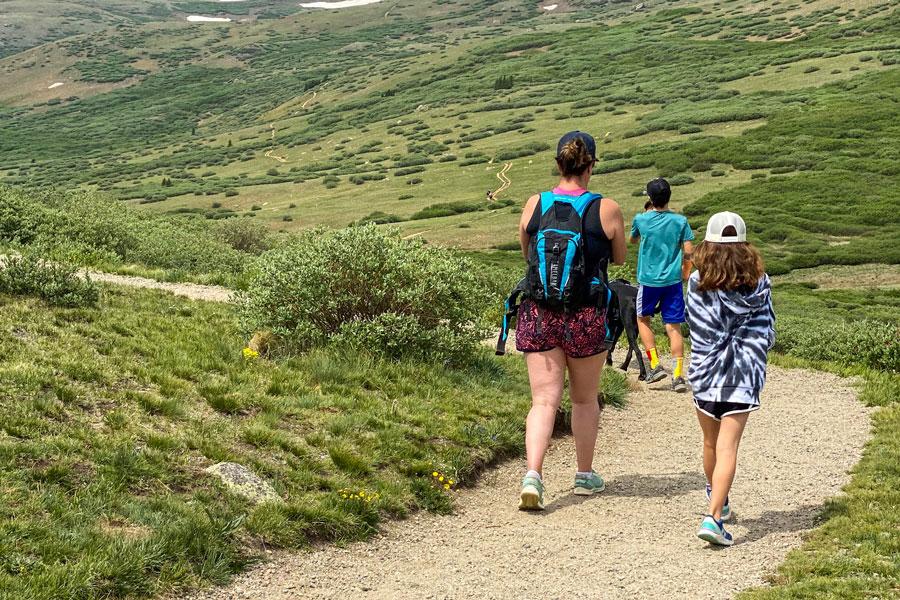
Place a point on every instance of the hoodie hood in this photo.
(742, 303)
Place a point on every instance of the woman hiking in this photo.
(568, 236)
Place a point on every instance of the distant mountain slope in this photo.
(404, 111)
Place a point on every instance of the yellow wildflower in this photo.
(250, 354)
(434, 474)
(446, 486)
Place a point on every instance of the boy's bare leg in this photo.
(676, 341)
(646, 332)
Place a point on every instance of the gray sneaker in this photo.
(679, 385)
(657, 374)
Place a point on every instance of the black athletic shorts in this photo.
(717, 410)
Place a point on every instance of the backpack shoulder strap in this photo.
(584, 201)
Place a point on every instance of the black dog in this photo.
(621, 318)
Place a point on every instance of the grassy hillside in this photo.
(119, 409)
(425, 105)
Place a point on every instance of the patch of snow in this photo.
(550, 7)
(338, 4)
(201, 19)
(56, 85)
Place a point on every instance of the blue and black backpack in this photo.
(555, 277)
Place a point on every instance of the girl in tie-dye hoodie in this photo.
(729, 310)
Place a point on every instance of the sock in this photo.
(654, 358)
(583, 475)
(534, 474)
(679, 366)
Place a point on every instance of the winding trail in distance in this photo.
(505, 181)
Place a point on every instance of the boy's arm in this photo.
(687, 263)
(635, 232)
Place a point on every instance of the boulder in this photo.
(244, 482)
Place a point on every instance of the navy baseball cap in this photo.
(659, 192)
(586, 138)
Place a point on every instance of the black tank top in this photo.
(597, 247)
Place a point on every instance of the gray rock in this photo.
(245, 483)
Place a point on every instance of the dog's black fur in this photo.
(622, 318)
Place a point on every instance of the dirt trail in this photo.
(310, 99)
(194, 291)
(636, 540)
(504, 180)
(271, 154)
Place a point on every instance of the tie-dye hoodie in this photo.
(731, 334)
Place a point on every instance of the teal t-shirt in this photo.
(662, 234)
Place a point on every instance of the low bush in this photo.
(58, 284)
(866, 342)
(447, 209)
(368, 289)
(681, 180)
(92, 229)
(378, 217)
(245, 235)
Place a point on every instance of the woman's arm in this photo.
(527, 212)
(614, 226)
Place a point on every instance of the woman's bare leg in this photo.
(730, 432)
(584, 383)
(547, 374)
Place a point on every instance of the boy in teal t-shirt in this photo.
(664, 261)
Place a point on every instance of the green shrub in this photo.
(92, 229)
(245, 235)
(56, 283)
(681, 180)
(866, 342)
(366, 288)
(378, 217)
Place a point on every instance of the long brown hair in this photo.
(728, 266)
(574, 158)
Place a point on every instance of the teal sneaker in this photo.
(588, 486)
(726, 510)
(532, 496)
(713, 531)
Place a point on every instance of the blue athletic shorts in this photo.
(668, 300)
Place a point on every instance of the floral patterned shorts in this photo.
(580, 334)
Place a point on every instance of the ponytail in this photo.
(574, 158)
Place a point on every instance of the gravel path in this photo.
(636, 540)
(194, 291)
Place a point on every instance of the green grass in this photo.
(853, 553)
(110, 415)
